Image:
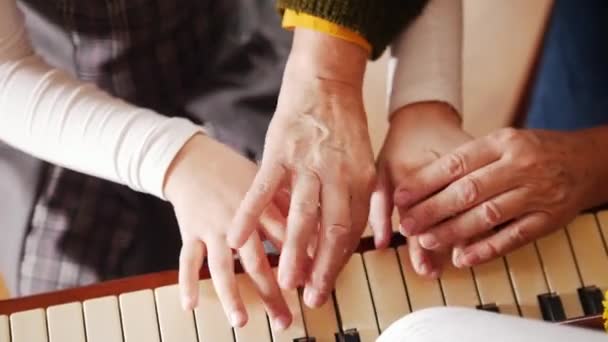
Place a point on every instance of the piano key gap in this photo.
(160, 336)
(407, 292)
(301, 307)
(504, 260)
(269, 328)
(122, 328)
(369, 291)
(46, 324)
(472, 270)
(337, 311)
(542, 267)
(571, 246)
(195, 325)
(84, 322)
(10, 328)
(441, 291)
(233, 335)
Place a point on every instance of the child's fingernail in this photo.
(282, 322)
(237, 319)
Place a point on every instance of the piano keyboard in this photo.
(558, 278)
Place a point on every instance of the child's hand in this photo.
(205, 184)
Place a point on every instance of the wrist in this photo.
(438, 114)
(326, 57)
(177, 174)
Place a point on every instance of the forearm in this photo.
(54, 117)
(427, 59)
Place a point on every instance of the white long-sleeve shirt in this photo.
(48, 114)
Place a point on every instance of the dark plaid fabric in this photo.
(191, 58)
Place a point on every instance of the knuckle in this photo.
(306, 210)
(517, 236)
(469, 191)
(369, 174)
(324, 283)
(558, 194)
(488, 250)
(525, 161)
(455, 165)
(507, 135)
(491, 214)
(261, 188)
(427, 212)
(336, 232)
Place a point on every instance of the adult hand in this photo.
(529, 183)
(318, 143)
(418, 135)
(205, 184)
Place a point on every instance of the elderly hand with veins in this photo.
(319, 147)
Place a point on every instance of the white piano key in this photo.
(65, 323)
(138, 312)
(211, 322)
(29, 326)
(423, 292)
(296, 329)
(560, 271)
(257, 325)
(5, 333)
(102, 320)
(458, 286)
(494, 286)
(528, 279)
(354, 300)
(589, 251)
(321, 323)
(176, 325)
(387, 287)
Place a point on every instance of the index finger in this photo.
(256, 264)
(261, 193)
(441, 172)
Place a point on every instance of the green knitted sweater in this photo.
(379, 21)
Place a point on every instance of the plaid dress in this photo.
(200, 59)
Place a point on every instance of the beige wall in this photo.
(500, 40)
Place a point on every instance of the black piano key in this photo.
(350, 335)
(305, 339)
(551, 307)
(591, 300)
(491, 307)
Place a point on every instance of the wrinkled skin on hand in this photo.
(318, 146)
